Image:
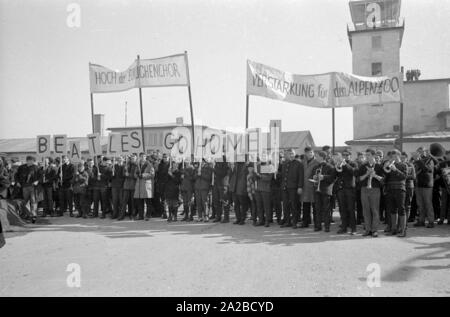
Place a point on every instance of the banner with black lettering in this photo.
(158, 72)
(329, 90)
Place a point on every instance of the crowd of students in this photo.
(302, 190)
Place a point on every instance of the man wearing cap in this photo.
(395, 177)
(309, 163)
(345, 190)
(424, 190)
(27, 178)
(292, 172)
(324, 175)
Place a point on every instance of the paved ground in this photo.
(204, 259)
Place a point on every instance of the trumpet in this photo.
(388, 168)
(340, 166)
(316, 178)
(371, 170)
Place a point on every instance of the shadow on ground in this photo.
(229, 232)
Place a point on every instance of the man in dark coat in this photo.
(292, 177)
(187, 190)
(49, 179)
(66, 191)
(27, 178)
(117, 181)
(238, 189)
(220, 182)
(162, 172)
(345, 189)
(324, 177)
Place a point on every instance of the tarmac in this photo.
(102, 257)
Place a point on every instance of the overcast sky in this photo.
(44, 78)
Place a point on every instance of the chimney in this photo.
(99, 124)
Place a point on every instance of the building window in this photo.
(376, 42)
(376, 69)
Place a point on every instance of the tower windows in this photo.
(376, 69)
(376, 42)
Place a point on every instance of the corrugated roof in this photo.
(28, 145)
(389, 138)
(294, 139)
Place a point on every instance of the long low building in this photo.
(156, 137)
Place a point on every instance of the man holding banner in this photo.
(67, 172)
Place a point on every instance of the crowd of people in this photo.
(302, 190)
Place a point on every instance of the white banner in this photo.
(325, 90)
(158, 72)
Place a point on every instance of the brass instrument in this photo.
(388, 168)
(316, 178)
(371, 169)
(339, 167)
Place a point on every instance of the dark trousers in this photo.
(263, 207)
(290, 205)
(445, 204)
(172, 205)
(306, 215)
(218, 193)
(276, 202)
(48, 199)
(359, 207)
(436, 201)
(99, 195)
(346, 200)
(81, 201)
(413, 211)
(383, 205)
(65, 199)
(322, 214)
(149, 211)
(127, 200)
(252, 205)
(140, 204)
(240, 206)
(395, 202)
(117, 197)
(187, 203)
(408, 201)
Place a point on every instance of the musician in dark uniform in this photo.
(395, 172)
(324, 175)
(410, 181)
(291, 188)
(424, 191)
(370, 175)
(345, 192)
